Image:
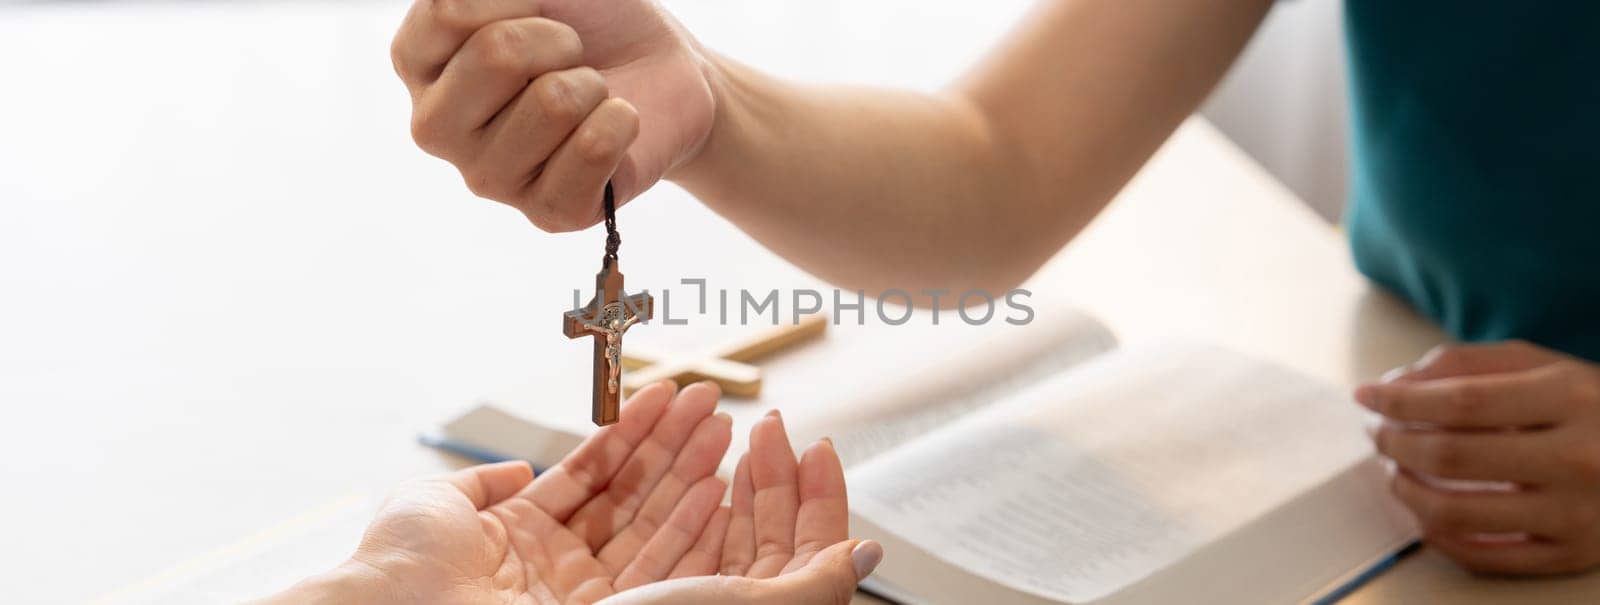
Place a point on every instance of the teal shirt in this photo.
(1476, 182)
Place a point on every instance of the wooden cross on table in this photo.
(728, 365)
(607, 316)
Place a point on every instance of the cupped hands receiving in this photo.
(634, 515)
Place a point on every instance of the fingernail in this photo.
(1393, 375)
(866, 557)
(829, 441)
(773, 413)
(710, 384)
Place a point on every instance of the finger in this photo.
(697, 461)
(705, 556)
(824, 514)
(522, 137)
(1528, 398)
(739, 548)
(434, 30)
(1447, 361)
(602, 518)
(567, 194)
(777, 500)
(589, 468)
(487, 484)
(490, 72)
(675, 537)
(831, 576)
(1477, 512)
(1483, 456)
(1500, 557)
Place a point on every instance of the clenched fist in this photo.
(539, 102)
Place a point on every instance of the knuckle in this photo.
(768, 549)
(1443, 457)
(589, 80)
(1584, 462)
(428, 132)
(597, 145)
(606, 140)
(583, 472)
(555, 38)
(453, 15)
(480, 183)
(501, 47)
(399, 56)
(1467, 403)
(558, 98)
(547, 218)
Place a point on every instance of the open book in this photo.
(1046, 464)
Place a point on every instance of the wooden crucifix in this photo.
(607, 316)
(727, 365)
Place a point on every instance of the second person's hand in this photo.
(539, 102)
(1523, 418)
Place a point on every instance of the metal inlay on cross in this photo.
(727, 365)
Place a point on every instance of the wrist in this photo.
(353, 582)
(734, 93)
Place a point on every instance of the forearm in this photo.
(865, 187)
(977, 186)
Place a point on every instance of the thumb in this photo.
(487, 484)
(830, 577)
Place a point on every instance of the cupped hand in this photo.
(784, 540)
(539, 102)
(1514, 430)
(620, 511)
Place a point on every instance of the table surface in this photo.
(234, 291)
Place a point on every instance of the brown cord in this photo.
(613, 239)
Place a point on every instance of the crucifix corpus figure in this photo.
(607, 316)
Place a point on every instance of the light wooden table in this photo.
(233, 291)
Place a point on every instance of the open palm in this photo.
(784, 540)
(627, 508)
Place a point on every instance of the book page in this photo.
(939, 375)
(1102, 476)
